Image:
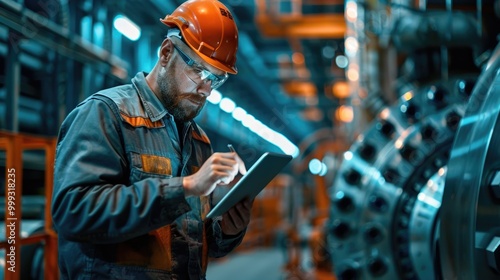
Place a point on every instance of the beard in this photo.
(182, 106)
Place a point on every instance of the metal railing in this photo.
(14, 144)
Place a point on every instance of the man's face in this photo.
(181, 97)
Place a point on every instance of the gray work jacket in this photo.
(118, 202)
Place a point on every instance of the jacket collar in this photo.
(153, 106)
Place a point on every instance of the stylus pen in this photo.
(231, 148)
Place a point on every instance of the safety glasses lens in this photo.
(216, 80)
(197, 74)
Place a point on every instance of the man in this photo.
(134, 172)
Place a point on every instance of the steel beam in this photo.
(30, 25)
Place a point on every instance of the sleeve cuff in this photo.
(174, 201)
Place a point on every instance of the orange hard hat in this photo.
(209, 29)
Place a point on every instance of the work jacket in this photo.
(118, 204)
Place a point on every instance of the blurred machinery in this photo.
(385, 201)
(416, 195)
(470, 204)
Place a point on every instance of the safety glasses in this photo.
(198, 74)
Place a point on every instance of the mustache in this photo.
(195, 97)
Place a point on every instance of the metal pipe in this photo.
(436, 29)
(479, 10)
(13, 81)
(28, 112)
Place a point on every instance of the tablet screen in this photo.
(256, 179)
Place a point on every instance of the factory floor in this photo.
(266, 263)
(261, 263)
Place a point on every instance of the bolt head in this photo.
(495, 185)
(493, 253)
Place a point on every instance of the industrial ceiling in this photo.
(55, 53)
(286, 61)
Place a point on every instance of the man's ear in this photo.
(166, 51)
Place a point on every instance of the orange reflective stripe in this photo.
(201, 137)
(164, 237)
(140, 121)
(204, 251)
(204, 209)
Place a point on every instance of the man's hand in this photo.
(220, 168)
(237, 218)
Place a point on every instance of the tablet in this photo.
(256, 178)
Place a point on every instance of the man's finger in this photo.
(241, 164)
(236, 218)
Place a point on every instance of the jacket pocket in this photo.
(149, 166)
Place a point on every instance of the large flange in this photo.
(470, 211)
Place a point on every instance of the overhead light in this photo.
(259, 128)
(353, 75)
(317, 167)
(341, 61)
(127, 27)
(344, 114)
(215, 97)
(239, 113)
(253, 124)
(351, 46)
(351, 11)
(247, 120)
(341, 89)
(227, 105)
(348, 155)
(408, 96)
(284, 144)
